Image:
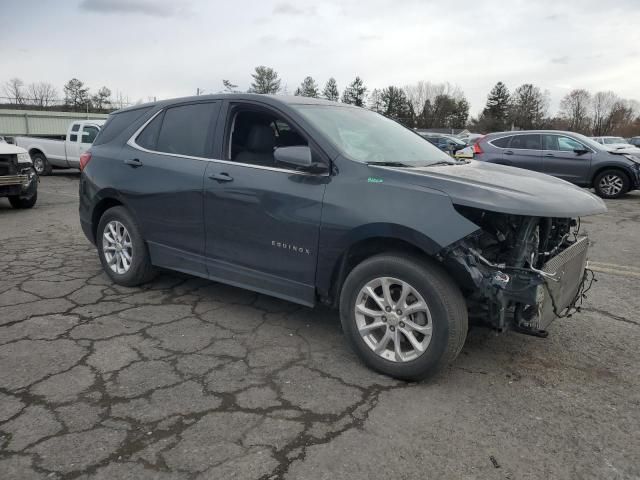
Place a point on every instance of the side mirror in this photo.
(580, 151)
(299, 156)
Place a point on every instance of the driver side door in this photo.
(561, 160)
(262, 219)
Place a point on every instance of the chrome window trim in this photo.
(132, 143)
(513, 135)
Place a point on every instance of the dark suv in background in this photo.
(319, 202)
(566, 155)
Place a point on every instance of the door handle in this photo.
(508, 152)
(221, 177)
(549, 155)
(134, 162)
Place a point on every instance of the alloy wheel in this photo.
(393, 319)
(117, 247)
(611, 184)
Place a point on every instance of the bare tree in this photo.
(14, 89)
(574, 108)
(41, 94)
(609, 112)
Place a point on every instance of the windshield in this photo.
(368, 137)
(589, 142)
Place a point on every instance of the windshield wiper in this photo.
(444, 162)
(390, 164)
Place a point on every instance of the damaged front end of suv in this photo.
(520, 272)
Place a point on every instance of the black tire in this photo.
(608, 176)
(19, 201)
(445, 301)
(41, 164)
(140, 270)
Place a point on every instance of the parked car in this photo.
(319, 202)
(566, 155)
(18, 179)
(612, 142)
(47, 154)
(470, 138)
(635, 141)
(446, 143)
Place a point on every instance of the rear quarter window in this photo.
(501, 142)
(117, 123)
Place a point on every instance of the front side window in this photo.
(89, 133)
(368, 137)
(526, 142)
(185, 129)
(566, 144)
(255, 134)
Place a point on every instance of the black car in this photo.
(446, 143)
(318, 202)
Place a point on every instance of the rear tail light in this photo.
(84, 160)
(477, 149)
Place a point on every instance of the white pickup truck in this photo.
(47, 154)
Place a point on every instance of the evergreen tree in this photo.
(330, 91)
(308, 88)
(76, 95)
(102, 99)
(395, 103)
(496, 113)
(355, 93)
(265, 80)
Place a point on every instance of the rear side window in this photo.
(526, 142)
(89, 133)
(185, 129)
(117, 123)
(148, 137)
(501, 142)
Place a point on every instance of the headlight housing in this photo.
(24, 158)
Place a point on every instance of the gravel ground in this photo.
(186, 378)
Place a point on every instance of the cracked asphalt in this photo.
(185, 378)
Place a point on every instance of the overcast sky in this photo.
(146, 48)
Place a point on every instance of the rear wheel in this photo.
(122, 250)
(41, 164)
(404, 316)
(611, 184)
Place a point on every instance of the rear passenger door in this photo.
(163, 169)
(566, 158)
(524, 151)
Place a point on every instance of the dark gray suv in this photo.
(566, 155)
(319, 202)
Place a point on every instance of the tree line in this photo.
(77, 97)
(527, 107)
(420, 105)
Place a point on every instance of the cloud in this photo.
(560, 60)
(143, 7)
(369, 37)
(289, 9)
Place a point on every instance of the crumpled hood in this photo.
(499, 188)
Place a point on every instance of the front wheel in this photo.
(405, 317)
(122, 250)
(611, 184)
(22, 202)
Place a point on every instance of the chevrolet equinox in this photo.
(319, 202)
